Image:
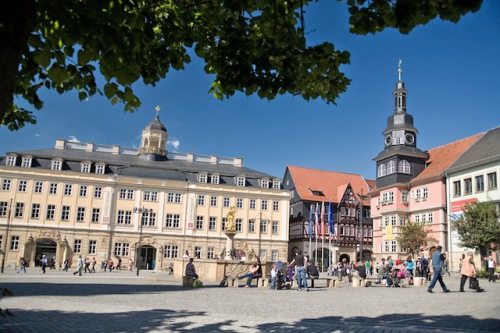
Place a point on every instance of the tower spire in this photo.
(400, 70)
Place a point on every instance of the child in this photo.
(274, 274)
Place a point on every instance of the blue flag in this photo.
(330, 218)
(310, 222)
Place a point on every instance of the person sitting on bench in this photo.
(254, 273)
(312, 272)
(190, 270)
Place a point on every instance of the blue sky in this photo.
(450, 70)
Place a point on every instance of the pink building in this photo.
(411, 184)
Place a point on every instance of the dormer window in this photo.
(264, 183)
(56, 165)
(214, 179)
(202, 177)
(276, 184)
(26, 162)
(100, 168)
(240, 181)
(86, 167)
(11, 161)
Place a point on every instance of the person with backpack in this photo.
(424, 267)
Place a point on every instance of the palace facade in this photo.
(146, 204)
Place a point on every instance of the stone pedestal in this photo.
(229, 245)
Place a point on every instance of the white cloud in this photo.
(73, 139)
(37, 135)
(174, 143)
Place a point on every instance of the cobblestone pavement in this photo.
(155, 302)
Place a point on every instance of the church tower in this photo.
(401, 160)
(154, 140)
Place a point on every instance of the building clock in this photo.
(388, 139)
(409, 138)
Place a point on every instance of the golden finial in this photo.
(157, 110)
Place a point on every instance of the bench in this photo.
(366, 282)
(331, 281)
(187, 281)
(234, 282)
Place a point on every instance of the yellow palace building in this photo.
(144, 205)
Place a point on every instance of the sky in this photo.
(451, 72)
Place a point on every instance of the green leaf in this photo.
(42, 57)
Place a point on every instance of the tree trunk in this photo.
(17, 20)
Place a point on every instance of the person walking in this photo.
(300, 271)
(491, 269)
(94, 262)
(43, 263)
(437, 261)
(468, 270)
(22, 265)
(66, 265)
(79, 266)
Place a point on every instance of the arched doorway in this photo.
(344, 258)
(146, 257)
(46, 247)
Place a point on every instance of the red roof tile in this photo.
(443, 157)
(332, 184)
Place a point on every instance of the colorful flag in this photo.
(311, 221)
(323, 220)
(316, 229)
(330, 219)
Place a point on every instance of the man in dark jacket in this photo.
(312, 272)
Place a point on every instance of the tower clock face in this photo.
(388, 139)
(409, 138)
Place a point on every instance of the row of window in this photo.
(100, 168)
(350, 231)
(467, 184)
(124, 217)
(402, 167)
(128, 194)
(420, 194)
(388, 246)
(68, 189)
(123, 249)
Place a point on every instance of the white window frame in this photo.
(10, 161)
(26, 162)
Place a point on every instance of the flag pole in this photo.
(329, 234)
(322, 236)
(310, 229)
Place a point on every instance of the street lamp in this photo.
(141, 211)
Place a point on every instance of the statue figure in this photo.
(230, 225)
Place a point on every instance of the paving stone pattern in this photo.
(155, 302)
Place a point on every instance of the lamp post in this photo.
(141, 211)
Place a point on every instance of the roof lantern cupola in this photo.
(400, 129)
(154, 140)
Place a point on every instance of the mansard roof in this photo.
(483, 151)
(309, 182)
(126, 162)
(441, 158)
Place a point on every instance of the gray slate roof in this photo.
(485, 150)
(134, 166)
